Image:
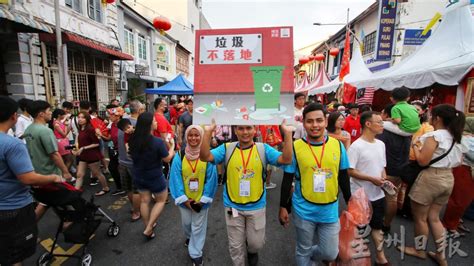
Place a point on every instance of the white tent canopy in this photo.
(321, 79)
(303, 83)
(445, 58)
(358, 70)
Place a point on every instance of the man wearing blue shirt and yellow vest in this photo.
(319, 167)
(244, 190)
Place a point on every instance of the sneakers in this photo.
(186, 243)
(197, 261)
(118, 192)
(94, 181)
(252, 258)
(271, 185)
(109, 177)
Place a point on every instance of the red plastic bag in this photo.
(353, 244)
(359, 207)
(271, 135)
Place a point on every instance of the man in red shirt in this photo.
(163, 130)
(352, 124)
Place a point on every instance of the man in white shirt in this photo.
(24, 120)
(367, 170)
(300, 99)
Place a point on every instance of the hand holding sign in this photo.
(212, 127)
(287, 129)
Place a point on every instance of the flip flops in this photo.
(433, 256)
(136, 218)
(102, 192)
(149, 237)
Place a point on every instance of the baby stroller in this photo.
(83, 216)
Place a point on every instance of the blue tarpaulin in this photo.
(178, 86)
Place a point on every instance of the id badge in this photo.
(194, 184)
(354, 132)
(319, 182)
(244, 188)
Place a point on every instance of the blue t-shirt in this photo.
(14, 161)
(306, 210)
(148, 164)
(272, 158)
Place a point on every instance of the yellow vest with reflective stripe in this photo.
(307, 166)
(187, 174)
(235, 169)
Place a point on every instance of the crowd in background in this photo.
(147, 156)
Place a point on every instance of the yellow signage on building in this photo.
(5, 2)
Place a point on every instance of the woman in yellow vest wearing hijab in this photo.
(193, 184)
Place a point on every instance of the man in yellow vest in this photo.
(319, 167)
(244, 190)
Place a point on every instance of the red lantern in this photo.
(303, 60)
(110, 1)
(319, 57)
(334, 52)
(311, 58)
(162, 24)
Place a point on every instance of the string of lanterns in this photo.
(317, 57)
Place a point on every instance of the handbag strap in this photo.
(435, 160)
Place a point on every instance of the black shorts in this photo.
(126, 178)
(18, 234)
(378, 213)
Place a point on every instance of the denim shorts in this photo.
(154, 185)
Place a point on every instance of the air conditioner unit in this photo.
(124, 85)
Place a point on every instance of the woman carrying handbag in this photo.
(434, 184)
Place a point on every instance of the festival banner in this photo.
(244, 76)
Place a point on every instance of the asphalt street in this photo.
(130, 247)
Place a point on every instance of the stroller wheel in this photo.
(113, 231)
(44, 259)
(86, 260)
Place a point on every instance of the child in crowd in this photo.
(126, 126)
(405, 121)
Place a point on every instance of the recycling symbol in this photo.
(267, 87)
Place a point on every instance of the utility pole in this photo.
(59, 48)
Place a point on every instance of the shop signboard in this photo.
(387, 15)
(244, 76)
(415, 37)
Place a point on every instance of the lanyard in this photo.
(193, 169)
(248, 159)
(320, 161)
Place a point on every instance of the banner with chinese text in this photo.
(244, 76)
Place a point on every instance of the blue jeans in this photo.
(195, 227)
(306, 251)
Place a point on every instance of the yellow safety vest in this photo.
(239, 183)
(189, 178)
(308, 170)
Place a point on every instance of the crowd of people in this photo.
(149, 156)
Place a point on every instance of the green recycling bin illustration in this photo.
(267, 84)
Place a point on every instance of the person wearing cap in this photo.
(352, 124)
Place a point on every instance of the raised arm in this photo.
(205, 154)
(287, 151)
